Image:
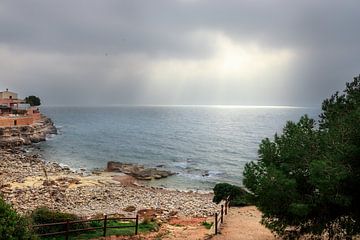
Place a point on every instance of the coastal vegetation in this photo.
(207, 225)
(44, 215)
(33, 100)
(13, 226)
(237, 195)
(307, 179)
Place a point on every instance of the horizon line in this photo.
(188, 105)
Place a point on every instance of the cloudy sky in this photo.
(243, 52)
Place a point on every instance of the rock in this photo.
(129, 209)
(88, 200)
(205, 174)
(173, 213)
(48, 182)
(138, 171)
(25, 135)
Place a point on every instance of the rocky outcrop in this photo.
(25, 135)
(138, 171)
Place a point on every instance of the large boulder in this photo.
(138, 171)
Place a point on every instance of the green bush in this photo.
(12, 225)
(237, 195)
(44, 215)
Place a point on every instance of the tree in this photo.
(12, 225)
(33, 100)
(237, 195)
(307, 180)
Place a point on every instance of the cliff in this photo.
(24, 135)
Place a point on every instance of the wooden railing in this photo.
(219, 216)
(68, 231)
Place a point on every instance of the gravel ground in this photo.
(27, 181)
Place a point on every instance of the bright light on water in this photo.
(204, 144)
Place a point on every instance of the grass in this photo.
(206, 224)
(126, 230)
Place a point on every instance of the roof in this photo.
(8, 92)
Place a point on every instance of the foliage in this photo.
(12, 225)
(237, 195)
(207, 225)
(33, 100)
(126, 230)
(43, 215)
(306, 180)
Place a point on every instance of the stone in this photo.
(129, 209)
(137, 171)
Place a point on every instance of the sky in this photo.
(179, 52)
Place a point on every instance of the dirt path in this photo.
(240, 224)
(243, 224)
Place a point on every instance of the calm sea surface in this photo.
(204, 145)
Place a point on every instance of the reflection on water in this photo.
(204, 145)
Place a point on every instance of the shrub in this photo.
(237, 195)
(44, 215)
(12, 225)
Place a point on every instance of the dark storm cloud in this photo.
(80, 50)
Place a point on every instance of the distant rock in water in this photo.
(138, 171)
(25, 135)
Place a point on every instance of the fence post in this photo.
(226, 206)
(222, 214)
(216, 223)
(67, 230)
(105, 223)
(136, 224)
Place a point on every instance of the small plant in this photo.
(207, 225)
(12, 225)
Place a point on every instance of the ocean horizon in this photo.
(203, 144)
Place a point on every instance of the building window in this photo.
(15, 122)
(10, 97)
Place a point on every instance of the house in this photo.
(15, 112)
(4, 109)
(8, 95)
(10, 99)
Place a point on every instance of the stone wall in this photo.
(26, 134)
(16, 121)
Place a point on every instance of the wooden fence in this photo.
(68, 231)
(219, 216)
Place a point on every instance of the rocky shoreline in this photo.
(25, 135)
(28, 181)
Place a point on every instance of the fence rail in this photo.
(219, 216)
(105, 226)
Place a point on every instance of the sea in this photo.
(203, 145)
